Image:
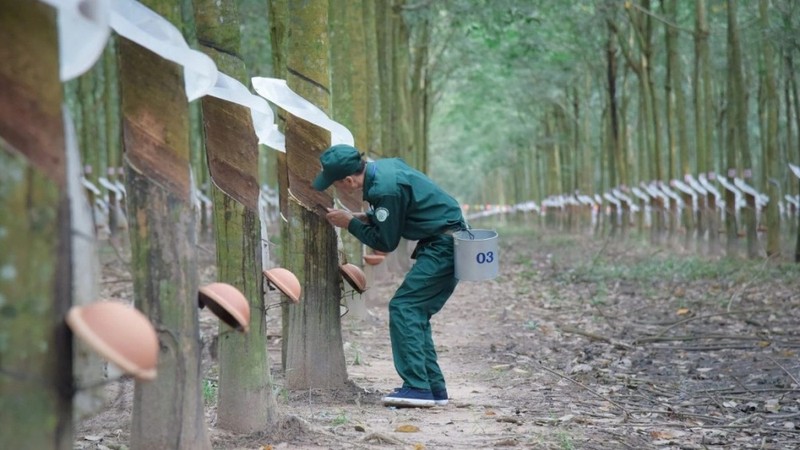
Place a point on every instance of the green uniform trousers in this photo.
(426, 288)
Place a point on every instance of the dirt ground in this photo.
(579, 344)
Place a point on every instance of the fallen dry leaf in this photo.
(407, 429)
(661, 435)
(682, 311)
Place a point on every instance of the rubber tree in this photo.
(278, 11)
(392, 40)
(740, 162)
(314, 351)
(771, 164)
(245, 397)
(675, 101)
(792, 87)
(639, 59)
(703, 115)
(167, 412)
(35, 288)
(348, 63)
(374, 142)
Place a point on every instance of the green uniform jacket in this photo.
(405, 203)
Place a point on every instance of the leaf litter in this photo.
(579, 343)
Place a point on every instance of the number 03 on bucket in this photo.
(476, 254)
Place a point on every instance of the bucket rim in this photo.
(466, 235)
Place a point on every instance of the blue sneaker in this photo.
(410, 397)
(440, 397)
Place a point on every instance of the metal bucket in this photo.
(476, 255)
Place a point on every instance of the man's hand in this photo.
(339, 217)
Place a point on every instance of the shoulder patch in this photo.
(381, 214)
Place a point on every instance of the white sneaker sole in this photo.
(397, 401)
(440, 402)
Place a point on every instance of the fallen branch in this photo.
(713, 348)
(679, 413)
(382, 438)
(596, 337)
(565, 377)
(705, 316)
(797, 383)
(695, 337)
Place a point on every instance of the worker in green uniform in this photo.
(404, 204)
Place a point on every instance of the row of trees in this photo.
(131, 111)
(549, 98)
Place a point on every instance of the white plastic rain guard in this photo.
(476, 255)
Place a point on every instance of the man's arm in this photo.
(341, 218)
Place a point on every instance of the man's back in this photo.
(428, 209)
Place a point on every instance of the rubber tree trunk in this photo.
(167, 412)
(737, 120)
(348, 107)
(796, 96)
(314, 352)
(245, 403)
(770, 165)
(35, 289)
(676, 119)
(374, 143)
(704, 117)
(279, 38)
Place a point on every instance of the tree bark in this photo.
(374, 143)
(36, 290)
(314, 352)
(245, 402)
(167, 412)
(704, 118)
(770, 165)
(737, 120)
(348, 107)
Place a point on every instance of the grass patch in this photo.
(340, 419)
(682, 268)
(209, 392)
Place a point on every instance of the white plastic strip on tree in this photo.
(795, 169)
(230, 89)
(84, 30)
(277, 92)
(703, 180)
(139, 24)
(683, 187)
(82, 34)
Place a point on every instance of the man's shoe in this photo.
(440, 397)
(410, 397)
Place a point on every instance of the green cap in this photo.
(338, 162)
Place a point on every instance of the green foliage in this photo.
(565, 440)
(507, 59)
(681, 268)
(340, 419)
(209, 392)
(506, 67)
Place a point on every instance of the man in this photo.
(404, 203)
